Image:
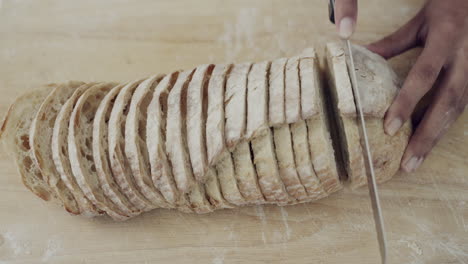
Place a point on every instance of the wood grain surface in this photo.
(120, 40)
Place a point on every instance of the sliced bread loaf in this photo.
(101, 155)
(135, 146)
(80, 132)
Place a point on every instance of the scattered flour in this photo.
(53, 247)
(18, 246)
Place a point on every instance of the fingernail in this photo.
(346, 27)
(393, 126)
(412, 164)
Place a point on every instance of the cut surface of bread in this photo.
(161, 169)
(177, 148)
(260, 135)
(60, 152)
(101, 154)
(235, 101)
(42, 131)
(215, 134)
(292, 91)
(303, 162)
(246, 175)
(14, 135)
(176, 142)
(197, 107)
(286, 163)
(267, 169)
(119, 164)
(42, 128)
(135, 145)
(213, 191)
(276, 107)
(318, 123)
(378, 85)
(345, 114)
(218, 154)
(80, 131)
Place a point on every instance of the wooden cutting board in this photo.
(119, 40)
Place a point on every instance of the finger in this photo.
(345, 16)
(446, 108)
(420, 80)
(400, 41)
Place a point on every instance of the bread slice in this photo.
(42, 127)
(135, 145)
(292, 91)
(286, 163)
(176, 142)
(378, 86)
(161, 170)
(276, 107)
(303, 161)
(14, 135)
(213, 191)
(176, 145)
(259, 134)
(101, 154)
(345, 114)
(235, 104)
(80, 132)
(235, 101)
(318, 123)
(116, 140)
(218, 154)
(60, 151)
(197, 107)
(41, 140)
(246, 175)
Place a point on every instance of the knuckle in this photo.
(426, 72)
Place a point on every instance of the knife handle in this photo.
(331, 11)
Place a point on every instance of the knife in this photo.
(371, 182)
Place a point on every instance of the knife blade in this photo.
(371, 181)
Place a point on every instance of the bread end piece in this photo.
(378, 85)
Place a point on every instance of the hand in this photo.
(441, 27)
(345, 17)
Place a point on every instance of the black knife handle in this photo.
(331, 11)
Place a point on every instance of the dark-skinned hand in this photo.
(441, 28)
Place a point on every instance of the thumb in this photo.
(345, 16)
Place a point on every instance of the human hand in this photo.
(441, 27)
(345, 17)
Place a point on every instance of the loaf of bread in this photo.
(214, 137)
